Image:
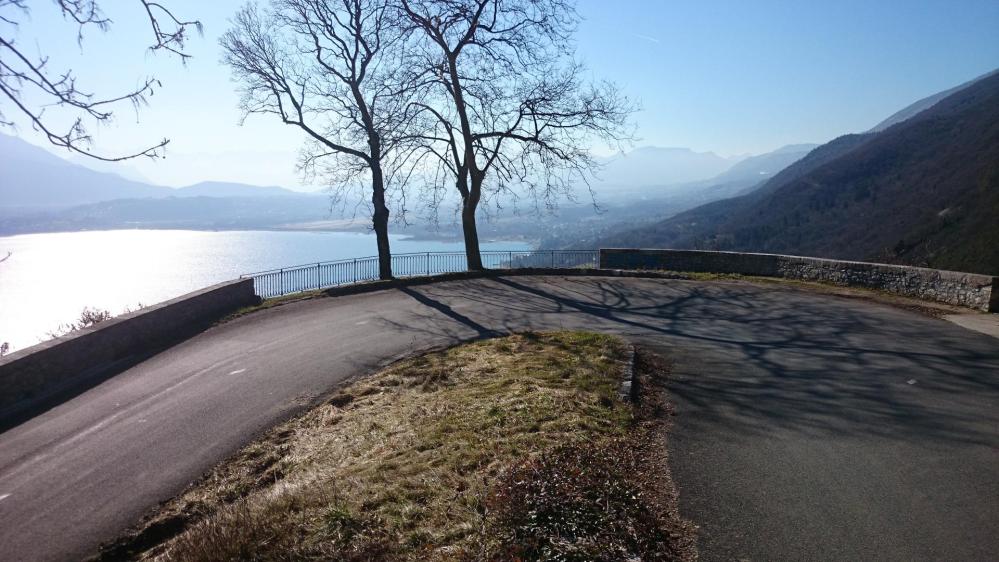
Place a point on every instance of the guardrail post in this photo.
(281, 278)
(428, 263)
(355, 271)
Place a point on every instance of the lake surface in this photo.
(50, 278)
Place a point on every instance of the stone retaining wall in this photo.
(979, 292)
(59, 365)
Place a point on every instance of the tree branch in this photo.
(31, 89)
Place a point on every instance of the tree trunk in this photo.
(380, 221)
(472, 255)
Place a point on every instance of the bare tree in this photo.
(31, 87)
(512, 110)
(332, 69)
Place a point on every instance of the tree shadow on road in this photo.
(446, 310)
(753, 358)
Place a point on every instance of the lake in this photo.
(50, 278)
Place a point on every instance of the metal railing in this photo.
(322, 275)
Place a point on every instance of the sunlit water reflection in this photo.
(50, 278)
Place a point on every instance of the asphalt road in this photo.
(808, 427)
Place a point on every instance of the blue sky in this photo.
(731, 77)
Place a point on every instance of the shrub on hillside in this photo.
(88, 317)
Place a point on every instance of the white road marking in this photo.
(361, 323)
(238, 371)
(911, 381)
(4, 496)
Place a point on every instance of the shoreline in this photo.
(421, 236)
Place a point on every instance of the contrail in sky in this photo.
(648, 38)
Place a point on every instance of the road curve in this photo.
(808, 426)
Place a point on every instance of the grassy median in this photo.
(516, 448)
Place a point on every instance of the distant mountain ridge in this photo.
(582, 229)
(34, 179)
(40, 192)
(193, 213)
(924, 104)
(229, 189)
(749, 173)
(652, 166)
(924, 191)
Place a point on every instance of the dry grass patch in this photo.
(405, 464)
(273, 302)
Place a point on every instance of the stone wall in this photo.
(980, 292)
(65, 363)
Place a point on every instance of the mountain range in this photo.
(649, 167)
(35, 179)
(40, 192)
(915, 108)
(923, 190)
